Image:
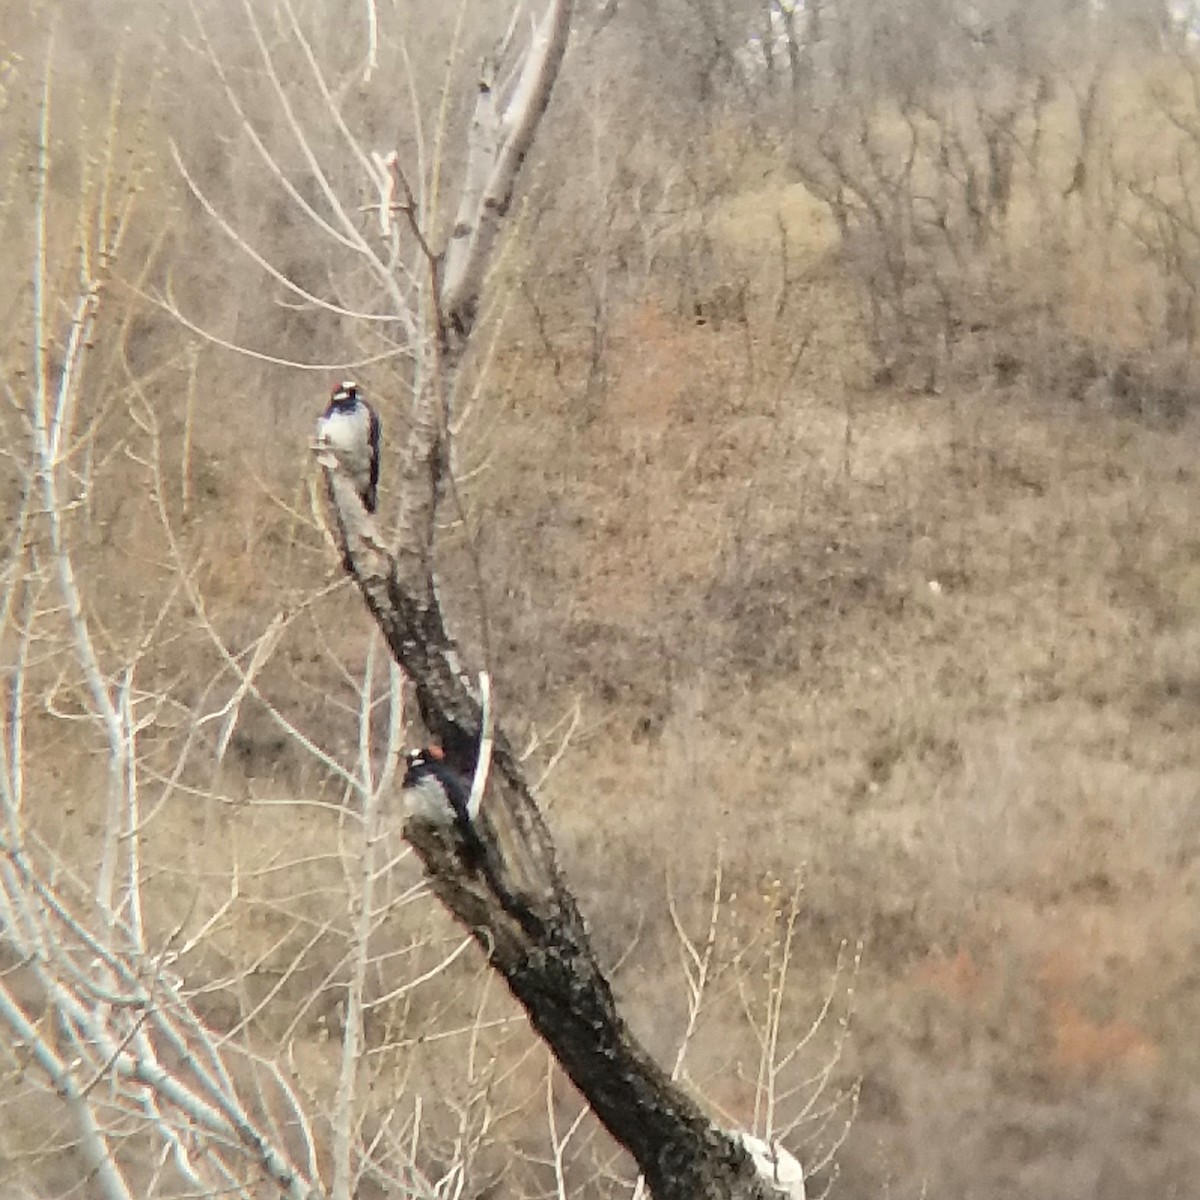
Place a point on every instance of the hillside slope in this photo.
(938, 655)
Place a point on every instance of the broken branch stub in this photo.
(500, 137)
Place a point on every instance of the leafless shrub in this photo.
(153, 921)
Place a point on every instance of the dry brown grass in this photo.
(938, 652)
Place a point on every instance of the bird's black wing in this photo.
(374, 434)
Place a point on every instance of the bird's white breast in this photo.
(427, 802)
(345, 431)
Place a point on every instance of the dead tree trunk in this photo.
(516, 904)
(512, 897)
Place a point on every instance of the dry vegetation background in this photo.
(834, 461)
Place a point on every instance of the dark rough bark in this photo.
(518, 907)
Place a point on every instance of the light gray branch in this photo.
(498, 143)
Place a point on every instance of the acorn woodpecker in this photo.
(434, 791)
(350, 428)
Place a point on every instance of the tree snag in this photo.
(512, 898)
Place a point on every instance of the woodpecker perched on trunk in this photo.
(435, 792)
(350, 429)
